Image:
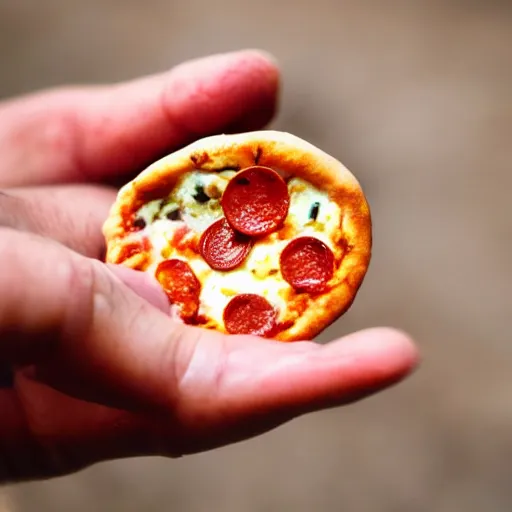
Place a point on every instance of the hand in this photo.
(100, 371)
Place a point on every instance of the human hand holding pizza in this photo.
(101, 370)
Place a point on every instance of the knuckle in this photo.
(55, 275)
(59, 134)
(26, 213)
(12, 212)
(195, 361)
(34, 317)
(177, 354)
(60, 130)
(61, 127)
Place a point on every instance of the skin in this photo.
(100, 372)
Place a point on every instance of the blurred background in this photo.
(415, 98)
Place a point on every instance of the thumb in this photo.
(88, 328)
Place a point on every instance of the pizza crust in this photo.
(285, 153)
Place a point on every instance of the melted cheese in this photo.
(260, 272)
(251, 277)
(326, 225)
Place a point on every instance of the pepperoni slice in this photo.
(256, 201)
(307, 264)
(181, 286)
(250, 314)
(222, 247)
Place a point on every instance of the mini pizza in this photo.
(258, 233)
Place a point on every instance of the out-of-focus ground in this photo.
(415, 98)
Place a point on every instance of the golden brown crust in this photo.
(281, 151)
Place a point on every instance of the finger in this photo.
(94, 338)
(72, 215)
(46, 433)
(103, 133)
(44, 281)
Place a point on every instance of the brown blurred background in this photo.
(415, 98)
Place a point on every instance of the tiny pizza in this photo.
(257, 233)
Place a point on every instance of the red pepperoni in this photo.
(222, 247)
(250, 314)
(307, 264)
(256, 201)
(181, 286)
